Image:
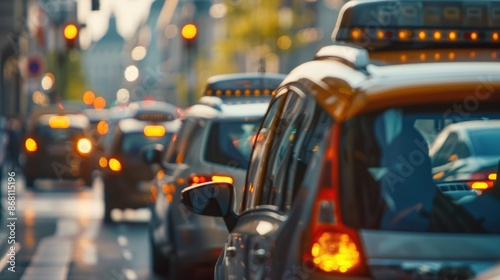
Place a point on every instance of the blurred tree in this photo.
(70, 82)
(258, 28)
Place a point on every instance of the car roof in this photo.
(249, 110)
(214, 81)
(131, 125)
(345, 91)
(75, 120)
(474, 125)
(95, 115)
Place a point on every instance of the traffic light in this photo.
(70, 33)
(189, 32)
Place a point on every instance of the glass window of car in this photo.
(48, 134)
(132, 143)
(316, 128)
(387, 181)
(485, 141)
(230, 142)
(261, 147)
(270, 187)
(182, 141)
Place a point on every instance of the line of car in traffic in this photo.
(355, 165)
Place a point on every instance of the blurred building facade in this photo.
(104, 63)
(12, 35)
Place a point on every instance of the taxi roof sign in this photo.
(387, 23)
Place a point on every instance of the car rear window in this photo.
(132, 143)
(486, 141)
(230, 142)
(47, 134)
(389, 182)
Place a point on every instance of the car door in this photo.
(248, 246)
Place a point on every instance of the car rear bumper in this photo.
(123, 192)
(55, 168)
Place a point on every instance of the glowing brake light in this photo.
(333, 247)
(84, 146)
(114, 164)
(31, 145)
(198, 179)
(482, 180)
(59, 122)
(480, 185)
(154, 130)
(333, 251)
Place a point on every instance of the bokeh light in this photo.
(131, 73)
(48, 81)
(99, 103)
(139, 53)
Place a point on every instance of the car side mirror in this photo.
(152, 154)
(216, 199)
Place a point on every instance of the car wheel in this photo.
(108, 207)
(159, 263)
(30, 182)
(88, 181)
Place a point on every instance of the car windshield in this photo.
(47, 134)
(230, 142)
(409, 169)
(132, 143)
(485, 141)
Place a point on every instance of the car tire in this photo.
(108, 207)
(87, 180)
(159, 263)
(29, 182)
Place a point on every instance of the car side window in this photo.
(273, 157)
(272, 190)
(446, 151)
(315, 125)
(262, 145)
(178, 147)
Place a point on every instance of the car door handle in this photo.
(230, 251)
(260, 254)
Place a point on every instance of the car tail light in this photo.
(84, 146)
(30, 145)
(103, 162)
(198, 179)
(331, 246)
(482, 180)
(114, 164)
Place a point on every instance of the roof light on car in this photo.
(59, 122)
(154, 130)
(30, 145)
(238, 92)
(84, 146)
(375, 24)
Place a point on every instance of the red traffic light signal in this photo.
(70, 33)
(189, 32)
